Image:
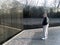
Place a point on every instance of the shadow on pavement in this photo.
(36, 39)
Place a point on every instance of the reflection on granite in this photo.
(6, 33)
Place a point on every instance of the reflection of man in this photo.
(45, 24)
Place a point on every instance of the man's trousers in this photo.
(45, 31)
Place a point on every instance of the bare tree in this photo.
(55, 3)
(45, 3)
(58, 4)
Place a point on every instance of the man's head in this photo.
(45, 14)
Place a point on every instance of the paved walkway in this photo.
(32, 37)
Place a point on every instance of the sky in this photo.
(49, 3)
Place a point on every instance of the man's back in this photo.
(45, 21)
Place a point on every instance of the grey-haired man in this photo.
(45, 24)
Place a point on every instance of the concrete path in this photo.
(32, 37)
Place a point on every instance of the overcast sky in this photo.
(49, 3)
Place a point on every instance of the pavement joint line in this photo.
(9, 27)
(54, 27)
(42, 28)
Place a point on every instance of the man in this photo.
(45, 24)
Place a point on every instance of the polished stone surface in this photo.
(7, 33)
(32, 37)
